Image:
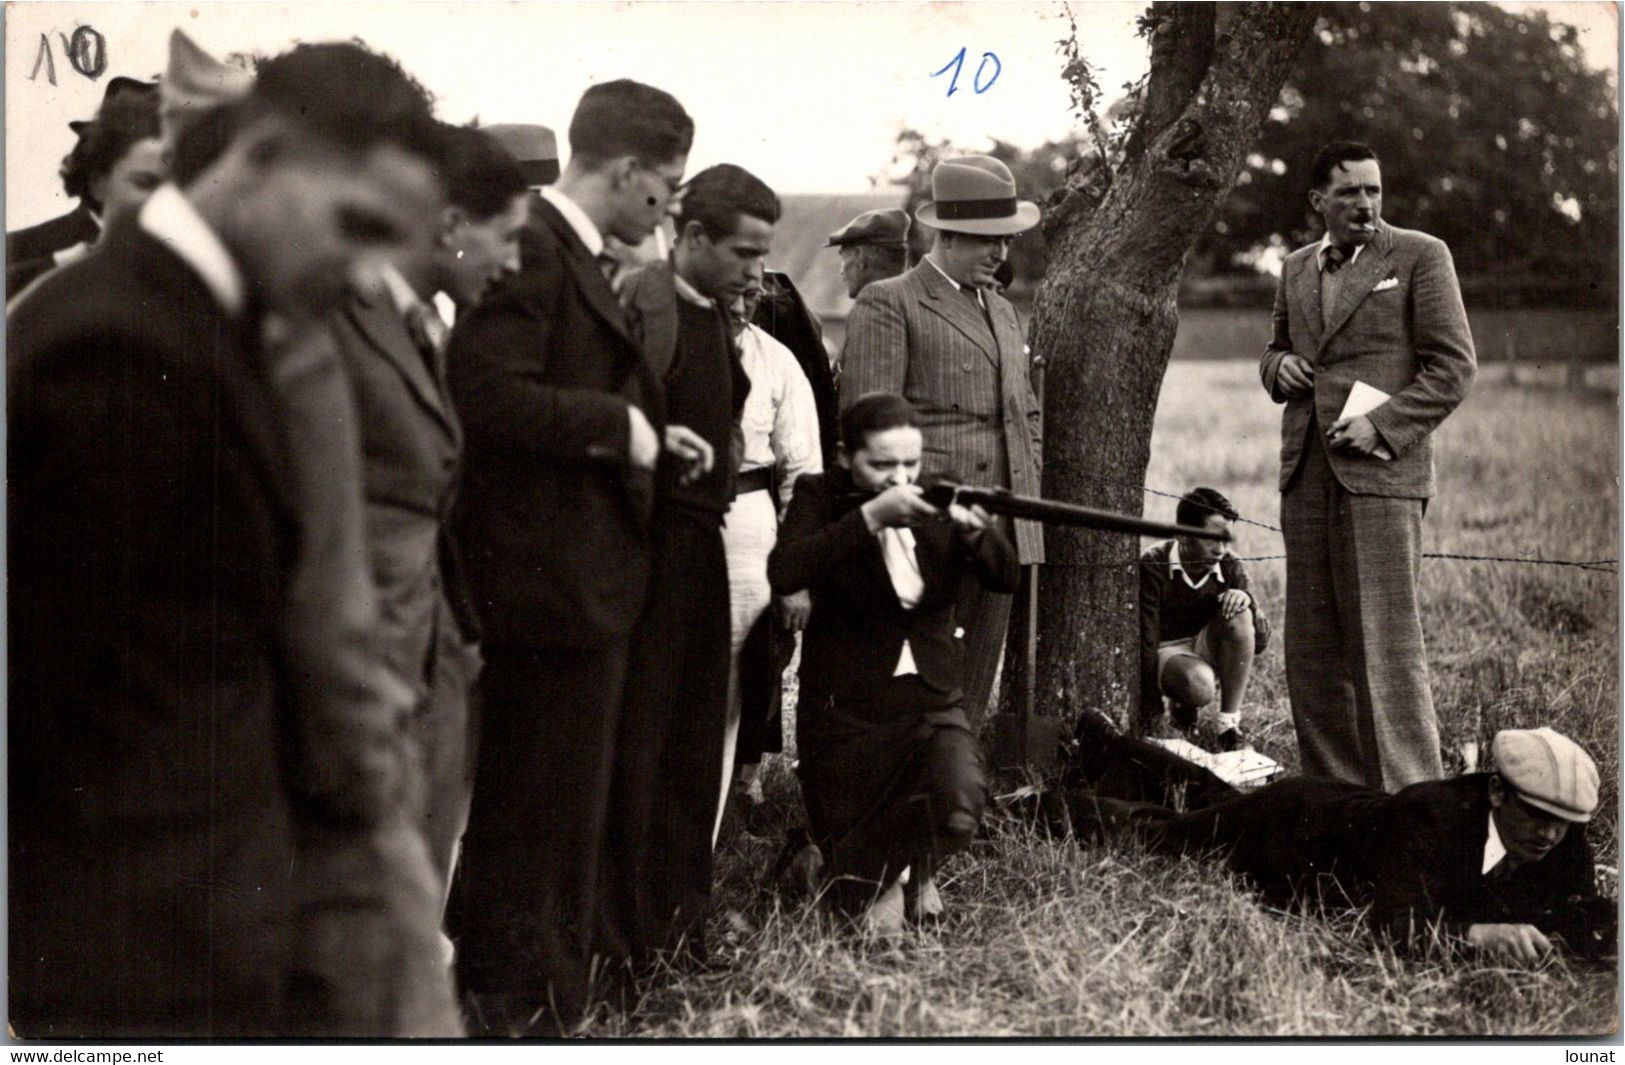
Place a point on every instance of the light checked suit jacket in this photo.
(919, 337)
(1399, 326)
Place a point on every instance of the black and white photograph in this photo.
(643, 522)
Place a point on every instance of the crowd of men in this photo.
(407, 535)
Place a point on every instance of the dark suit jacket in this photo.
(1414, 857)
(150, 544)
(1399, 326)
(30, 252)
(411, 448)
(917, 336)
(858, 626)
(552, 522)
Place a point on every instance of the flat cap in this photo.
(1548, 771)
(886, 226)
(533, 146)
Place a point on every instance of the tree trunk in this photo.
(1106, 312)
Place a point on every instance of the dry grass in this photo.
(1045, 939)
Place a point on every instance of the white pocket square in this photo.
(1384, 286)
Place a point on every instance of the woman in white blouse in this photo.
(781, 442)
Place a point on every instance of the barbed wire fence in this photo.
(1594, 565)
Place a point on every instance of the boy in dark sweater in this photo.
(1199, 624)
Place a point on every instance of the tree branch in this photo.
(1181, 50)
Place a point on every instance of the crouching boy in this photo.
(1199, 624)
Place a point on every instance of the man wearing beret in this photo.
(1498, 860)
(873, 246)
(943, 337)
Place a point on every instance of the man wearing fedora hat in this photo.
(942, 336)
(1498, 860)
(873, 246)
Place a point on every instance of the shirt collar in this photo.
(1174, 564)
(400, 291)
(688, 291)
(1326, 242)
(170, 218)
(1494, 849)
(573, 214)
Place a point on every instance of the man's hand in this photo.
(898, 507)
(643, 447)
(1355, 434)
(1521, 942)
(792, 611)
(1295, 376)
(693, 453)
(1232, 603)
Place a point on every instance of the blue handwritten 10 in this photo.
(957, 63)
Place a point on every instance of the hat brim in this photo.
(863, 242)
(1552, 808)
(1025, 218)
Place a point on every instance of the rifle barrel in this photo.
(1050, 512)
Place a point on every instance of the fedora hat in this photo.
(976, 194)
(534, 147)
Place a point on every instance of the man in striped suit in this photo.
(943, 337)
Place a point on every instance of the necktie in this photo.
(608, 265)
(428, 330)
(1336, 258)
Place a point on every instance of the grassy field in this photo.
(1044, 939)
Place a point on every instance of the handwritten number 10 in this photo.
(957, 63)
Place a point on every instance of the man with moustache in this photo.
(1379, 307)
(562, 426)
(168, 777)
(943, 337)
(393, 342)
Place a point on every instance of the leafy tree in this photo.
(1118, 234)
(1493, 133)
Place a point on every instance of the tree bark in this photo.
(1105, 316)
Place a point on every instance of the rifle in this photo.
(1050, 512)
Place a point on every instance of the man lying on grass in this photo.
(1497, 860)
(890, 771)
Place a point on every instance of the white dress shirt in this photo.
(780, 418)
(1494, 849)
(897, 548)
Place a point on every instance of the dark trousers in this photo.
(446, 731)
(663, 803)
(878, 800)
(522, 908)
(1356, 668)
(985, 617)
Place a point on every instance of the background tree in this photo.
(1118, 233)
(1494, 136)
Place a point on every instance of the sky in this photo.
(809, 96)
